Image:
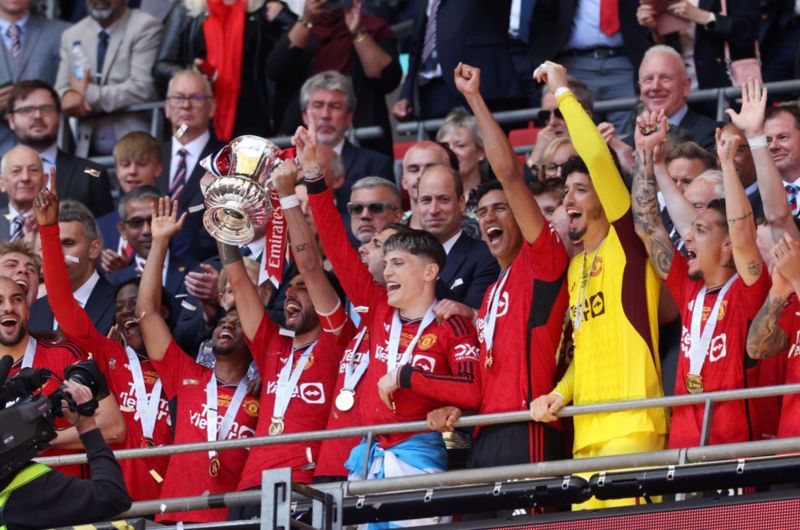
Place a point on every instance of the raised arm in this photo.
(741, 226)
(750, 119)
(501, 155)
(156, 332)
(589, 143)
(647, 219)
(305, 251)
(680, 210)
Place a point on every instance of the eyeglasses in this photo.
(31, 110)
(375, 208)
(195, 101)
(138, 222)
(543, 116)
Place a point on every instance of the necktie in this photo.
(180, 175)
(17, 227)
(13, 33)
(609, 16)
(791, 196)
(102, 48)
(429, 43)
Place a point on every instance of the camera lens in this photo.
(88, 374)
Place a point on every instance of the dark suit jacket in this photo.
(100, 308)
(469, 270)
(177, 268)
(474, 32)
(5, 223)
(193, 241)
(109, 230)
(361, 162)
(551, 26)
(701, 128)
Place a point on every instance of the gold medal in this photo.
(148, 442)
(213, 466)
(276, 427)
(694, 383)
(488, 362)
(345, 400)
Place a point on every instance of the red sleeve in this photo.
(73, 320)
(355, 278)
(462, 386)
(548, 245)
(177, 369)
(677, 276)
(788, 319)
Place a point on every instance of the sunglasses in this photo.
(543, 116)
(375, 208)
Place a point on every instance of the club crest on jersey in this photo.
(312, 393)
(427, 340)
(251, 407)
(597, 266)
(707, 310)
(424, 363)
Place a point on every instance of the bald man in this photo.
(21, 178)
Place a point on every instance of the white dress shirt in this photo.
(82, 293)
(448, 245)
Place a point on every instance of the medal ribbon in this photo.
(30, 353)
(491, 310)
(230, 414)
(146, 404)
(287, 381)
(353, 374)
(698, 343)
(394, 339)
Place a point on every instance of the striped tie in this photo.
(791, 196)
(180, 176)
(13, 33)
(17, 227)
(429, 44)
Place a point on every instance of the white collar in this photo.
(51, 153)
(338, 147)
(21, 23)
(82, 293)
(13, 212)
(448, 245)
(257, 247)
(195, 147)
(110, 29)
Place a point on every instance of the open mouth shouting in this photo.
(130, 326)
(494, 234)
(9, 321)
(293, 311)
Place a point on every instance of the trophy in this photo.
(237, 197)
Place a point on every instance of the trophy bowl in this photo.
(237, 202)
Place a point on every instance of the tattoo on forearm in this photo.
(647, 217)
(754, 268)
(766, 337)
(228, 253)
(661, 253)
(300, 248)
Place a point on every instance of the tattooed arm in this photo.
(646, 216)
(766, 337)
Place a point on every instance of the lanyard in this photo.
(287, 381)
(30, 353)
(491, 310)
(353, 372)
(698, 345)
(146, 404)
(211, 410)
(394, 339)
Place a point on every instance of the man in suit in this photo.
(470, 267)
(135, 219)
(21, 178)
(30, 51)
(664, 85)
(599, 42)
(189, 108)
(447, 32)
(327, 101)
(33, 115)
(121, 45)
(80, 240)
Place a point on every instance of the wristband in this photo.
(289, 202)
(333, 321)
(313, 174)
(757, 142)
(359, 35)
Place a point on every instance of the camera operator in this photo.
(40, 497)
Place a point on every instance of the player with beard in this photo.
(521, 320)
(417, 362)
(131, 377)
(212, 403)
(723, 265)
(614, 293)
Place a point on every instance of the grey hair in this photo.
(713, 176)
(378, 182)
(459, 118)
(192, 72)
(4, 159)
(71, 210)
(329, 80)
(663, 48)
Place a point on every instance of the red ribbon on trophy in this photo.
(275, 252)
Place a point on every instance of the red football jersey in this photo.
(528, 329)
(723, 368)
(308, 408)
(142, 476)
(333, 453)
(790, 324)
(188, 474)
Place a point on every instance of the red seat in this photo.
(400, 149)
(519, 137)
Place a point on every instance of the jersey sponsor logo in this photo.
(312, 393)
(464, 352)
(198, 419)
(794, 351)
(502, 305)
(423, 362)
(127, 403)
(593, 307)
(716, 351)
(427, 340)
(348, 356)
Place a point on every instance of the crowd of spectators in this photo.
(601, 265)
